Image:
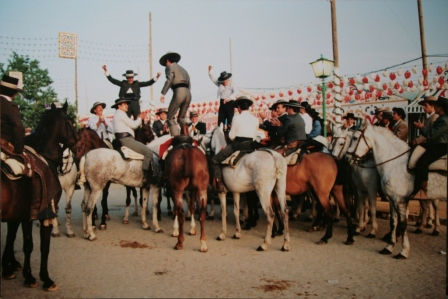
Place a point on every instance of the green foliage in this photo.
(37, 91)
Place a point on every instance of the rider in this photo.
(225, 94)
(280, 110)
(160, 126)
(436, 145)
(12, 129)
(293, 130)
(425, 128)
(102, 126)
(130, 88)
(196, 129)
(124, 131)
(400, 127)
(178, 80)
(242, 133)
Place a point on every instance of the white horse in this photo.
(365, 180)
(263, 171)
(391, 157)
(100, 166)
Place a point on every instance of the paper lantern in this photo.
(439, 70)
(290, 92)
(330, 85)
(280, 94)
(390, 92)
(424, 72)
(410, 84)
(407, 74)
(384, 86)
(379, 93)
(441, 81)
(371, 88)
(263, 97)
(414, 70)
(425, 83)
(392, 76)
(341, 84)
(299, 91)
(319, 87)
(396, 85)
(357, 97)
(272, 95)
(377, 78)
(351, 81)
(365, 80)
(309, 89)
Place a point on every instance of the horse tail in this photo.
(82, 174)
(281, 168)
(188, 162)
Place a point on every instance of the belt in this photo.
(242, 139)
(179, 85)
(122, 135)
(294, 144)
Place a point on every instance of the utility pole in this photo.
(230, 51)
(422, 37)
(334, 32)
(151, 99)
(337, 110)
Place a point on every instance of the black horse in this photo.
(36, 197)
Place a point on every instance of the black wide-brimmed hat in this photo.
(243, 99)
(276, 103)
(293, 104)
(442, 102)
(349, 115)
(224, 76)
(193, 113)
(161, 110)
(130, 74)
(428, 99)
(10, 83)
(171, 56)
(95, 105)
(399, 111)
(119, 101)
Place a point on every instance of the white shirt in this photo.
(224, 92)
(122, 123)
(102, 130)
(308, 122)
(244, 125)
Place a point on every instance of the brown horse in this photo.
(186, 169)
(317, 172)
(18, 197)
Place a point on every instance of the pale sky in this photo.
(273, 41)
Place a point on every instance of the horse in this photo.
(391, 156)
(365, 180)
(16, 196)
(263, 171)
(99, 166)
(186, 168)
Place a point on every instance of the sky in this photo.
(272, 42)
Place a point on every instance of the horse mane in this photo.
(39, 138)
(387, 137)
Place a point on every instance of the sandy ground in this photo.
(106, 268)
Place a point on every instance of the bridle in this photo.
(357, 159)
(334, 142)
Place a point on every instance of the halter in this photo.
(339, 156)
(67, 163)
(357, 159)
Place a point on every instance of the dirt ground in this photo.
(128, 262)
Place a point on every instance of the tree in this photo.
(37, 91)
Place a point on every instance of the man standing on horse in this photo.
(102, 126)
(436, 145)
(242, 133)
(12, 129)
(178, 80)
(124, 131)
(130, 89)
(225, 96)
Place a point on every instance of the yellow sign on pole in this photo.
(68, 45)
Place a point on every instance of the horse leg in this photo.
(339, 197)
(145, 196)
(27, 227)
(236, 212)
(435, 205)
(372, 203)
(266, 203)
(154, 193)
(179, 212)
(401, 230)
(104, 207)
(203, 214)
(134, 194)
(9, 262)
(222, 199)
(211, 215)
(68, 215)
(191, 199)
(128, 203)
(392, 235)
(45, 238)
(88, 206)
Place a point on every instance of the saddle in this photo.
(125, 152)
(438, 165)
(14, 165)
(235, 157)
(180, 141)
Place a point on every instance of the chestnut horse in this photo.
(17, 196)
(317, 172)
(186, 169)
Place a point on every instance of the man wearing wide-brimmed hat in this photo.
(225, 96)
(425, 128)
(278, 121)
(178, 80)
(12, 129)
(196, 129)
(243, 133)
(436, 145)
(124, 128)
(130, 88)
(400, 127)
(102, 126)
(293, 130)
(160, 126)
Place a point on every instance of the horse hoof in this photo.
(9, 276)
(428, 226)
(356, 233)
(178, 246)
(260, 248)
(103, 227)
(435, 233)
(53, 287)
(159, 231)
(349, 242)
(31, 284)
(146, 227)
(321, 242)
(135, 214)
(285, 249)
(236, 237)
(385, 252)
(175, 235)
(418, 231)
(125, 221)
(107, 217)
(71, 235)
(55, 235)
(399, 257)
(370, 236)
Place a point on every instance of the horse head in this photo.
(218, 139)
(144, 134)
(340, 144)
(360, 144)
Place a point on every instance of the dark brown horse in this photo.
(317, 172)
(186, 169)
(18, 197)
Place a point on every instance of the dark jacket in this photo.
(293, 129)
(12, 128)
(135, 86)
(439, 132)
(157, 127)
(274, 132)
(201, 127)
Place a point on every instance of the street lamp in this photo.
(323, 68)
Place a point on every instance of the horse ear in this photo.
(53, 106)
(65, 106)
